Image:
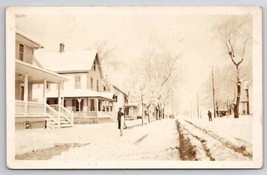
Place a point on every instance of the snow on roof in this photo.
(67, 61)
(29, 38)
(116, 87)
(81, 93)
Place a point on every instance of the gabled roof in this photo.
(70, 61)
(118, 89)
(27, 39)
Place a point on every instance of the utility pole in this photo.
(213, 93)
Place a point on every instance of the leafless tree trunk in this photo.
(235, 41)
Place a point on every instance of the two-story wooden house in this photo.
(28, 73)
(85, 93)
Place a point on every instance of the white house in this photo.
(29, 73)
(85, 93)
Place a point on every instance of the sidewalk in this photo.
(156, 140)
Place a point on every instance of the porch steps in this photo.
(51, 123)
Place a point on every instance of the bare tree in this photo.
(233, 35)
(157, 76)
(106, 56)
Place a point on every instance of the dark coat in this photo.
(119, 115)
(209, 114)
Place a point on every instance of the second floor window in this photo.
(97, 85)
(21, 52)
(77, 82)
(94, 65)
(115, 98)
(92, 83)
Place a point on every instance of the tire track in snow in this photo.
(187, 150)
(240, 149)
(203, 144)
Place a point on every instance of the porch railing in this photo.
(20, 107)
(63, 112)
(35, 109)
(92, 114)
(53, 114)
(29, 108)
(68, 115)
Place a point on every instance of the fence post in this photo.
(121, 125)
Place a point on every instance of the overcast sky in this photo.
(131, 32)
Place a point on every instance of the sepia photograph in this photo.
(134, 87)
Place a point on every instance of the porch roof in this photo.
(78, 93)
(131, 105)
(37, 74)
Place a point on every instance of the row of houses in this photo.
(59, 89)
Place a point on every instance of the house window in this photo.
(21, 52)
(47, 86)
(21, 92)
(115, 97)
(94, 65)
(97, 85)
(104, 88)
(92, 83)
(77, 82)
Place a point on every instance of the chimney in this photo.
(61, 48)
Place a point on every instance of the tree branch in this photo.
(243, 52)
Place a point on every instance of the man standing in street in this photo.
(120, 113)
(210, 116)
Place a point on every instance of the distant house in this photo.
(29, 72)
(246, 99)
(132, 111)
(120, 99)
(85, 93)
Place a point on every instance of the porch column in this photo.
(59, 95)
(26, 93)
(59, 102)
(44, 94)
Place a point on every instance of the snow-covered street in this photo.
(167, 139)
(222, 139)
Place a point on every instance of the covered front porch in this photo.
(28, 111)
(87, 105)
